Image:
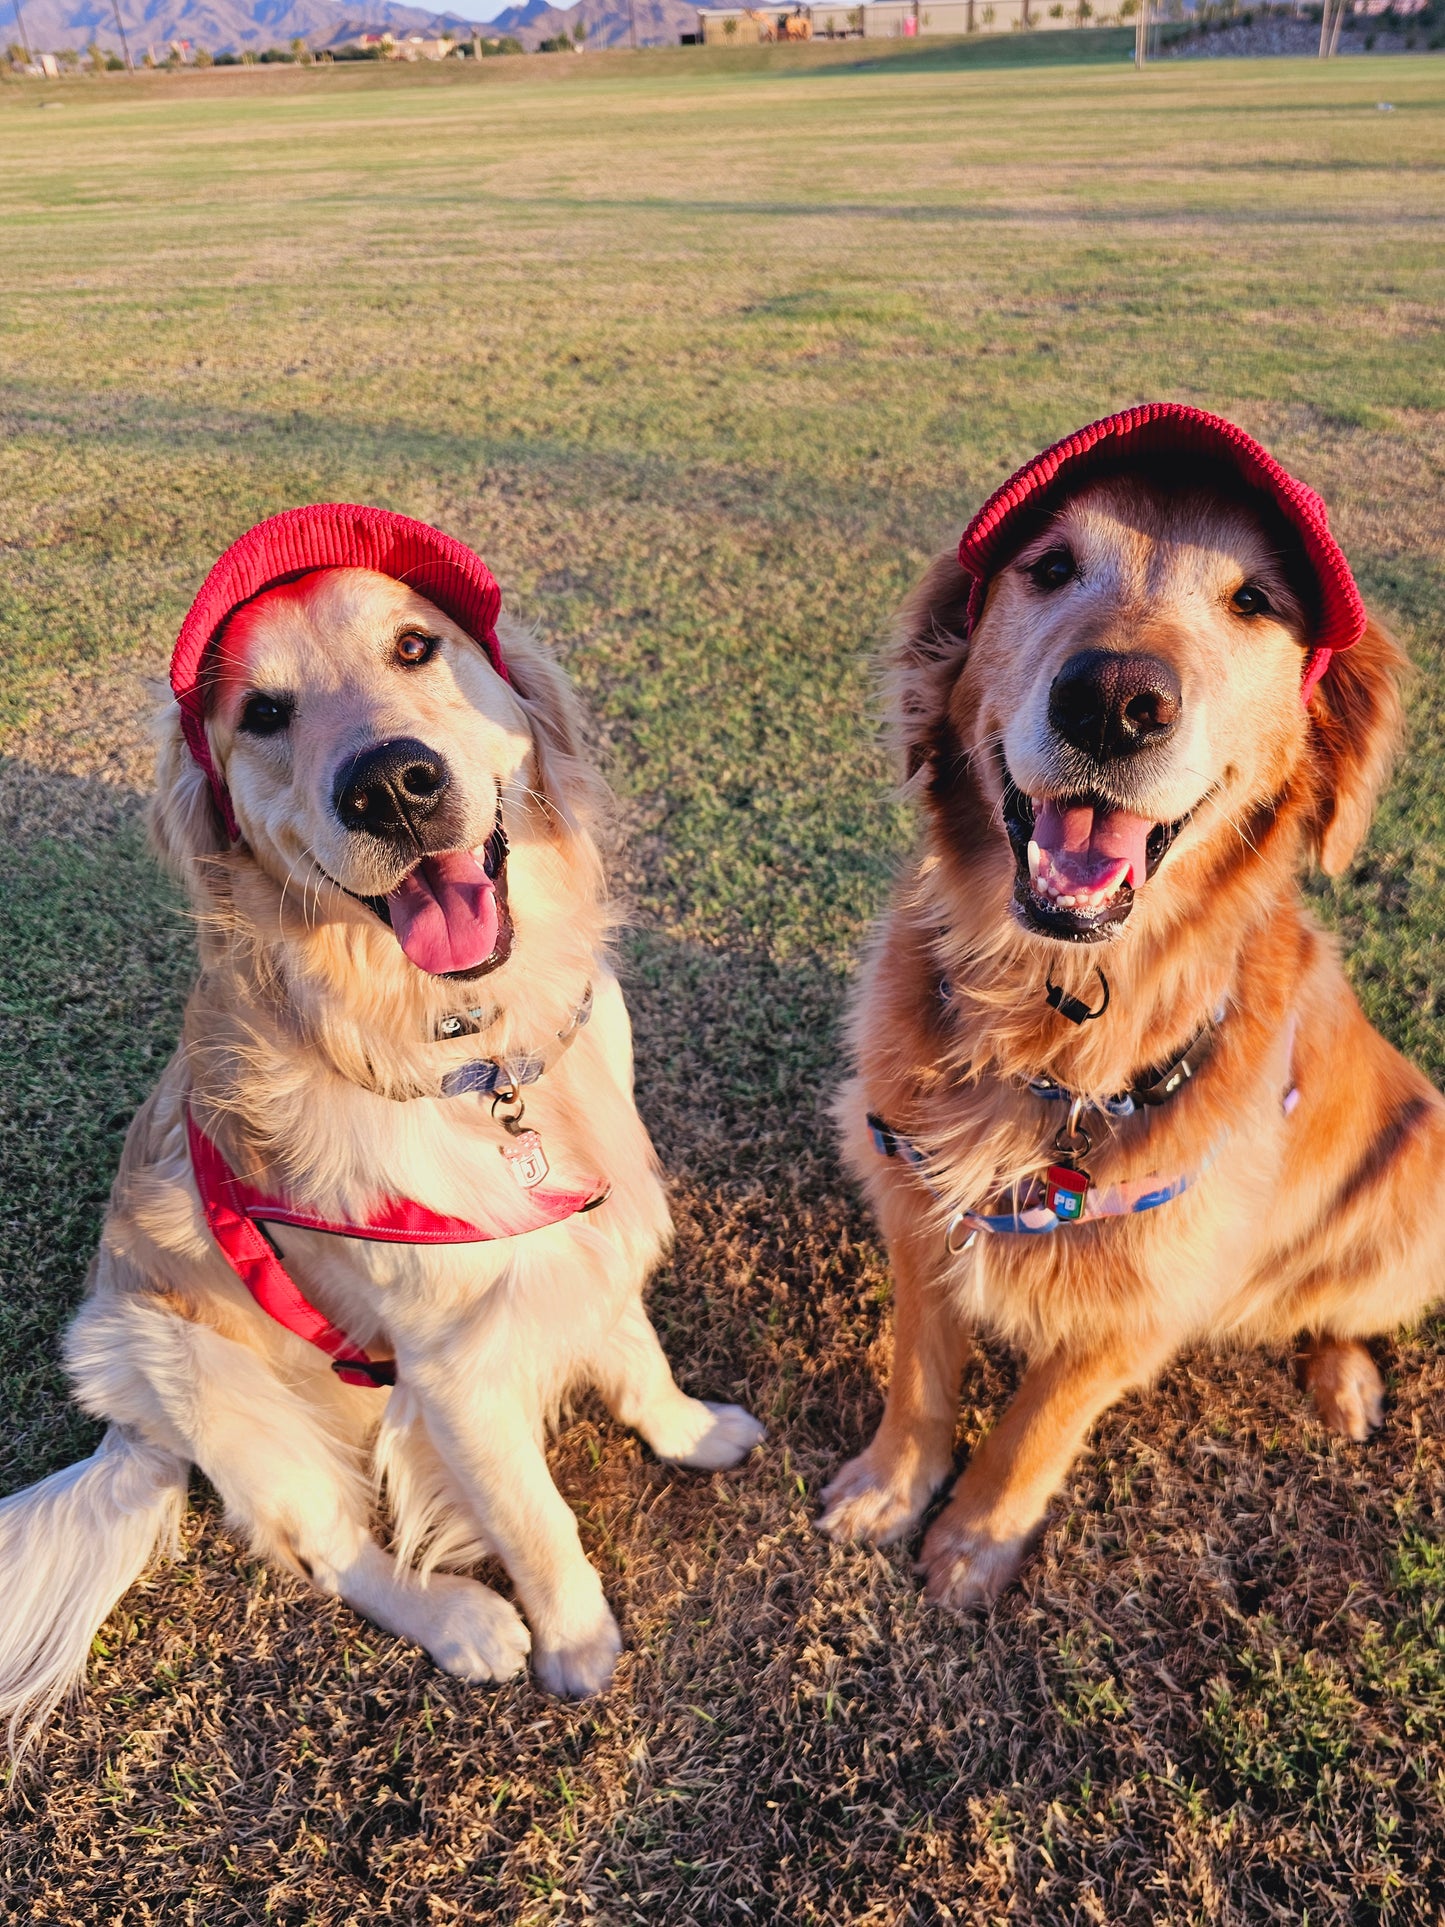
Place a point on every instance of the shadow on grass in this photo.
(373, 445)
(96, 962)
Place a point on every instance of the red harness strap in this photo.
(234, 1211)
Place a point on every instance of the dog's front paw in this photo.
(876, 1499)
(1345, 1384)
(966, 1566)
(472, 1632)
(709, 1438)
(579, 1661)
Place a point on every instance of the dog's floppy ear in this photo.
(572, 791)
(1356, 720)
(185, 825)
(927, 652)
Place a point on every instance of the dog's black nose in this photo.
(1111, 704)
(390, 787)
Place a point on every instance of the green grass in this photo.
(708, 354)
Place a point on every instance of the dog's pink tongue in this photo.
(1093, 849)
(445, 914)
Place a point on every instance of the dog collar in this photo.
(1064, 1196)
(501, 1076)
(1154, 1088)
(1067, 1195)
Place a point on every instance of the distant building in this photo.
(901, 19)
(418, 47)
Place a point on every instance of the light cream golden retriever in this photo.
(1114, 1095)
(412, 901)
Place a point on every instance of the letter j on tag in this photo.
(526, 1159)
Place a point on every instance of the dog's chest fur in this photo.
(345, 1148)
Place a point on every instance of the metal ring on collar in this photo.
(956, 1224)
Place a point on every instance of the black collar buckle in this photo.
(1074, 1008)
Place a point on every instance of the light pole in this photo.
(1332, 18)
(24, 37)
(1141, 34)
(120, 29)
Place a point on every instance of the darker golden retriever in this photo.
(1113, 1093)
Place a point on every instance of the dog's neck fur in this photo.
(294, 1013)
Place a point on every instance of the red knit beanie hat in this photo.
(1166, 428)
(328, 535)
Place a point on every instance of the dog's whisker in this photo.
(1242, 833)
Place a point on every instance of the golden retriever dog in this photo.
(391, 1201)
(1113, 1093)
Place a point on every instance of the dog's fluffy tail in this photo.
(70, 1547)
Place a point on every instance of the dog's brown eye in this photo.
(1052, 570)
(266, 715)
(414, 649)
(1249, 600)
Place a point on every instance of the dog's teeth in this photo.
(1035, 858)
(1066, 903)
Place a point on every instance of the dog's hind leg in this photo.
(634, 1377)
(1345, 1384)
(294, 1482)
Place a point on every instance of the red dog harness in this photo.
(236, 1212)
(284, 548)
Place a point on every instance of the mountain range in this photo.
(241, 26)
(608, 23)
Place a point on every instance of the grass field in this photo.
(707, 359)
